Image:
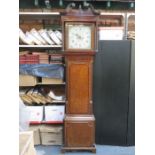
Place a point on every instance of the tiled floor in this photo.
(101, 150)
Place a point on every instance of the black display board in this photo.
(111, 92)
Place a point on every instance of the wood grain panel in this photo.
(79, 87)
(83, 137)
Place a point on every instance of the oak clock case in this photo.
(79, 45)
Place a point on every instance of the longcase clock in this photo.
(80, 45)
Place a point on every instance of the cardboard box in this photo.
(36, 113)
(36, 133)
(56, 58)
(28, 59)
(51, 81)
(27, 80)
(110, 33)
(51, 135)
(26, 144)
(27, 25)
(43, 57)
(54, 113)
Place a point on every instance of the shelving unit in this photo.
(122, 19)
(42, 17)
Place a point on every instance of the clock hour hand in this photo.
(78, 36)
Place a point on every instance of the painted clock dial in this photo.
(79, 36)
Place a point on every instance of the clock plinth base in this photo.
(65, 149)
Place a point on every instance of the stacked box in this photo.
(110, 33)
(36, 133)
(43, 57)
(22, 59)
(51, 81)
(27, 80)
(56, 58)
(51, 135)
(28, 59)
(54, 114)
(32, 59)
(36, 114)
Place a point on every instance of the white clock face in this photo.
(79, 36)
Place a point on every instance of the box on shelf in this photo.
(32, 10)
(36, 113)
(27, 25)
(26, 144)
(27, 80)
(36, 133)
(43, 57)
(54, 114)
(51, 81)
(56, 58)
(51, 135)
(110, 33)
(28, 59)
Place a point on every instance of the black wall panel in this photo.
(111, 92)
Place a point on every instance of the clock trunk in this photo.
(79, 84)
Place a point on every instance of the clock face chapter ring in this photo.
(79, 36)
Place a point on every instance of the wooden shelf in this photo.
(55, 101)
(40, 46)
(45, 122)
(113, 13)
(51, 84)
(37, 15)
(46, 84)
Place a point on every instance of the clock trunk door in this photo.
(79, 77)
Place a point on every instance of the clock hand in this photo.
(78, 36)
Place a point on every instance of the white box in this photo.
(36, 113)
(54, 113)
(110, 33)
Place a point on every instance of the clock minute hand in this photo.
(78, 36)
